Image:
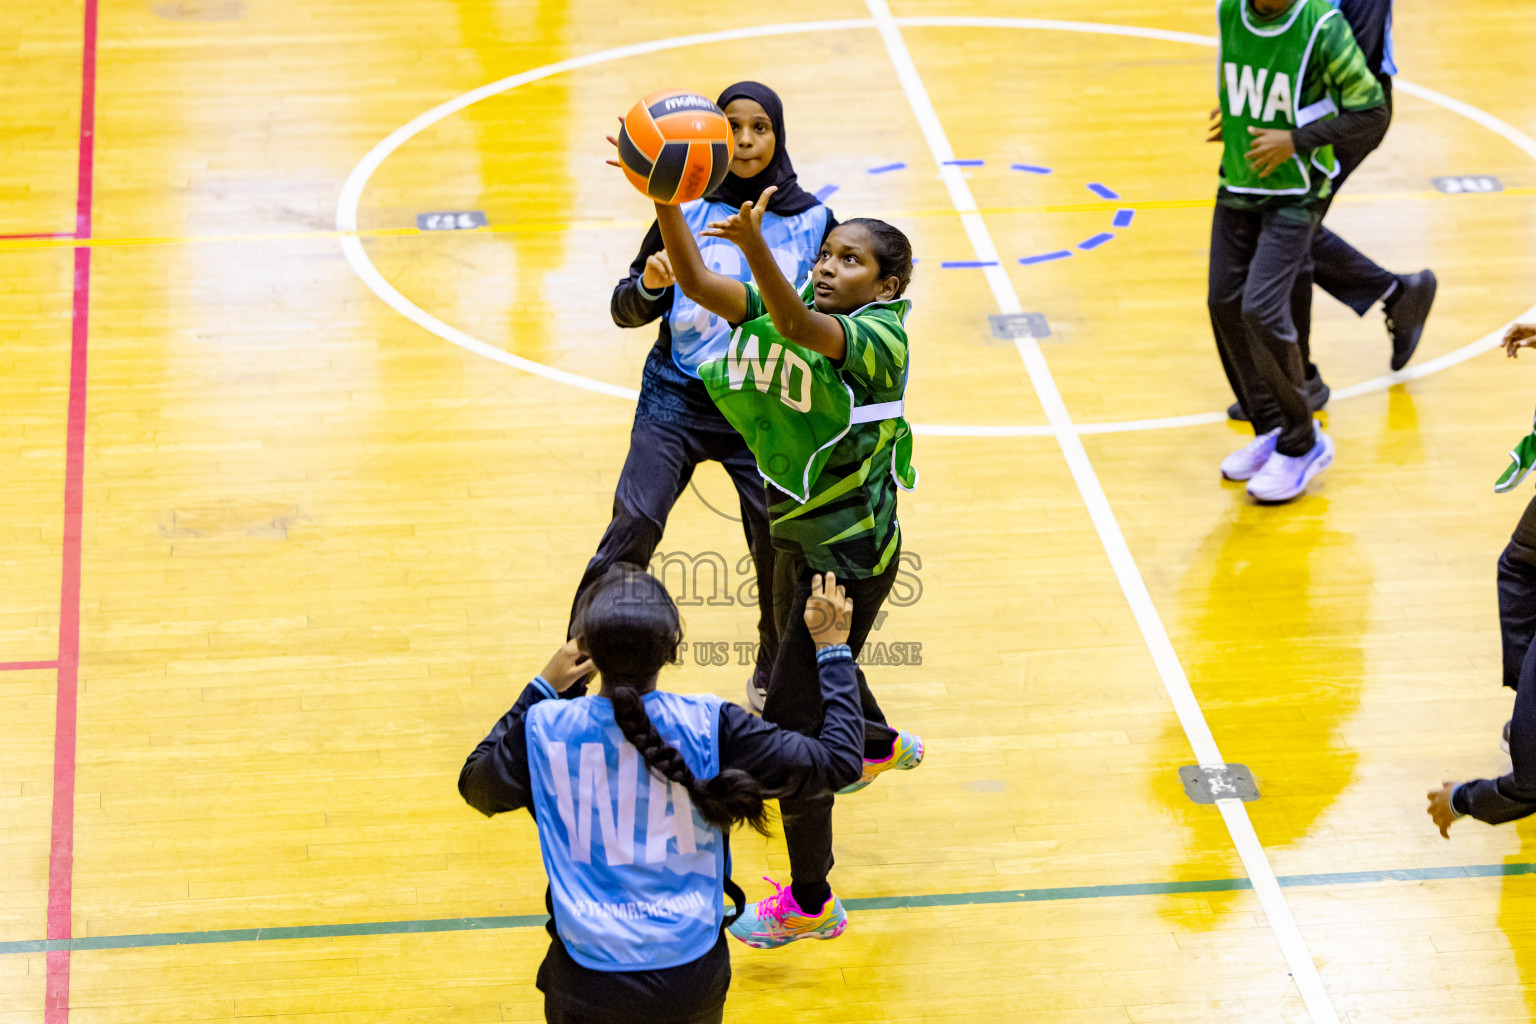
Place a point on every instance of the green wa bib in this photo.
(1261, 78)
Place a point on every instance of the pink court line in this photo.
(40, 234)
(22, 666)
(61, 854)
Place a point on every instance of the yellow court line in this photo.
(275, 236)
(556, 226)
(1192, 204)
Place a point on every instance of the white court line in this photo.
(1233, 812)
(1503, 129)
(964, 430)
(1486, 343)
(1051, 25)
(1472, 350)
(352, 188)
(356, 255)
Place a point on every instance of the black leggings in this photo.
(1517, 595)
(1255, 257)
(794, 702)
(661, 461)
(1339, 268)
(1514, 796)
(693, 993)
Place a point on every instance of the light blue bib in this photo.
(697, 334)
(635, 873)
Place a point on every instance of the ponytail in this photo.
(629, 626)
(725, 801)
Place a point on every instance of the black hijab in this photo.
(790, 199)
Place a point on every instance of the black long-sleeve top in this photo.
(1496, 801)
(1350, 125)
(495, 777)
(667, 394)
(1371, 22)
(1514, 795)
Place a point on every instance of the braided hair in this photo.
(630, 627)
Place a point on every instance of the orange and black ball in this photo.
(675, 146)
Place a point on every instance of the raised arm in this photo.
(723, 296)
(495, 776)
(806, 327)
(645, 293)
(787, 763)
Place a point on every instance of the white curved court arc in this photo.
(357, 256)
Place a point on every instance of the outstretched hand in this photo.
(744, 225)
(828, 611)
(1440, 811)
(1518, 337)
(613, 140)
(1213, 130)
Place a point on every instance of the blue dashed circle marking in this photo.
(1122, 218)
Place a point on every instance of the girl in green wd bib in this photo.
(814, 380)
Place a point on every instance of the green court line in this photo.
(952, 899)
(307, 931)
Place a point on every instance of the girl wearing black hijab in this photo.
(676, 424)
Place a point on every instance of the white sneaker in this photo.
(1285, 477)
(1250, 458)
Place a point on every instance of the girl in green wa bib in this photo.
(815, 382)
(1287, 70)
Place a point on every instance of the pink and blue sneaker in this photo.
(778, 920)
(906, 754)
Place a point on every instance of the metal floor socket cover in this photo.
(1012, 326)
(1459, 183)
(451, 220)
(1227, 782)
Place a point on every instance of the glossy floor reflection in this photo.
(323, 546)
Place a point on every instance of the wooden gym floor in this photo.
(279, 543)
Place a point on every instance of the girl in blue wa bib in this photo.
(635, 792)
(676, 425)
(846, 328)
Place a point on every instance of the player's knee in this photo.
(1264, 319)
(1517, 562)
(1224, 306)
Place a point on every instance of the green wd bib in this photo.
(792, 406)
(1262, 74)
